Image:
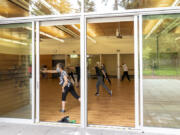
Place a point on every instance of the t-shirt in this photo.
(98, 71)
(62, 74)
(125, 68)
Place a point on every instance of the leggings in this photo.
(78, 77)
(107, 77)
(67, 90)
(100, 82)
(71, 75)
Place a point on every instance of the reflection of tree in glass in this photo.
(63, 6)
(89, 5)
(127, 4)
(131, 4)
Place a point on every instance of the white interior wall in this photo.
(103, 45)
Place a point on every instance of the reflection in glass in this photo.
(21, 8)
(161, 70)
(15, 71)
(120, 5)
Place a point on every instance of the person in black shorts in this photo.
(66, 84)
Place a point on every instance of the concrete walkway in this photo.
(27, 129)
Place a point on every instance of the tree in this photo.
(65, 6)
(89, 5)
(127, 4)
(131, 4)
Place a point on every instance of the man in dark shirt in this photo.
(99, 74)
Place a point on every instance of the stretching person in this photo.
(125, 73)
(66, 84)
(105, 77)
(99, 74)
(70, 73)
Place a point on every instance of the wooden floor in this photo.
(117, 110)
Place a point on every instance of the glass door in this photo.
(17, 71)
(112, 71)
(58, 59)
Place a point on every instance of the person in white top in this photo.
(125, 73)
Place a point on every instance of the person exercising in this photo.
(125, 73)
(99, 74)
(70, 73)
(105, 77)
(66, 84)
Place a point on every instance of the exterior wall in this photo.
(122, 60)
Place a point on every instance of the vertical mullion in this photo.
(83, 73)
(83, 68)
(136, 72)
(33, 72)
(37, 74)
(141, 70)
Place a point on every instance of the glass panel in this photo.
(15, 70)
(107, 45)
(120, 5)
(161, 70)
(60, 44)
(22, 8)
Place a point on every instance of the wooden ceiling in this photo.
(109, 29)
(15, 33)
(156, 3)
(9, 8)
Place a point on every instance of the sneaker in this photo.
(97, 94)
(110, 93)
(63, 111)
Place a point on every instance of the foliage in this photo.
(89, 5)
(65, 6)
(127, 4)
(130, 4)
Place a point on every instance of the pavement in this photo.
(47, 129)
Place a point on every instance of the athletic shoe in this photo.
(63, 111)
(97, 94)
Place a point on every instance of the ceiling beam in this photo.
(63, 28)
(25, 5)
(170, 26)
(175, 3)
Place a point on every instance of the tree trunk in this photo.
(116, 5)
